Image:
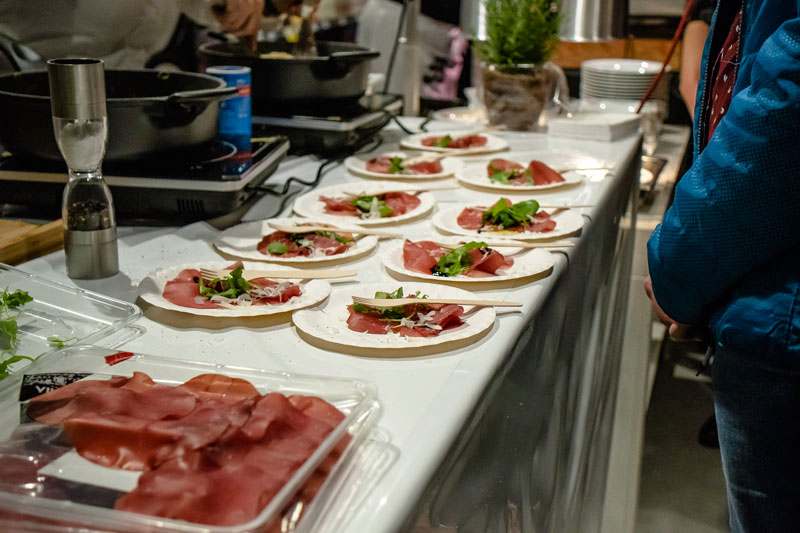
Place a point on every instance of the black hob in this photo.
(329, 127)
(203, 183)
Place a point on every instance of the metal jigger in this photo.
(78, 99)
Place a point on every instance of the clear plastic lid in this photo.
(69, 491)
(63, 315)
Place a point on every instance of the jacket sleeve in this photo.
(738, 206)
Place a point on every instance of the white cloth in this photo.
(124, 33)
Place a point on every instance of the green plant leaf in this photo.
(457, 261)
(520, 31)
(501, 176)
(396, 165)
(277, 248)
(12, 300)
(507, 215)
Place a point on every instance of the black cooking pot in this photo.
(338, 73)
(149, 112)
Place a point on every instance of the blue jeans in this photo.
(757, 405)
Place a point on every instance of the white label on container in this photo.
(73, 467)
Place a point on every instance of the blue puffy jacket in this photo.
(728, 251)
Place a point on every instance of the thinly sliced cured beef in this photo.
(317, 243)
(229, 483)
(98, 397)
(504, 165)
(339, 206)
(470, 218)
(365, 323)
(383, 164)
(219, 387)
(466, 141)
(493, 262)
(380, 164)
(287, 293)
(400, 202)
(448, 316)
(425, 167)
(184, 291)
(542, 174)
(218, 463)
(421, 256)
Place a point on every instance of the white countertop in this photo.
(425, 400)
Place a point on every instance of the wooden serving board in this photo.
(22, 241)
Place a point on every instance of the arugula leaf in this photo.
(501, 176)
(396, 165)
(231, 286)
(507, 215)
(443, 142)
(6, 364)
(457, 261)
(390, 313)
(8, 333)
(277, 248)
(364, 204)
(336, 236)
(12, 300)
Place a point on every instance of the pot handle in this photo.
(201, 95)
(354, 56)
(20, 57)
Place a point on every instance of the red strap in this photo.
(687, 12)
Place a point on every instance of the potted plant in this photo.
(518, 81)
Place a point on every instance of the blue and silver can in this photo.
(235, 115)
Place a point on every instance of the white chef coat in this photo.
(124, 33)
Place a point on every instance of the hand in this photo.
(676, 330)
(242, 18)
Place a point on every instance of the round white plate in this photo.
(474, 172)
(330, 323)
(151, 290)
(568, 222)
(624, 66)
(527, 263)
(242, 241)
(358, 166)
(309, 205)
(493, 142)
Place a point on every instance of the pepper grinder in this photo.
(78, 100)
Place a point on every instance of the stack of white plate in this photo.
(618, 79)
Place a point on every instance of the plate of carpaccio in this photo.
(523, 171)
(459, 260)
(345, 324)
(392, 165)
(258, 241)
(365, 204)
(132, 442)
(522, 220)
(462, 142)
(233, 294)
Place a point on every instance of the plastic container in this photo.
(82, 506)
(66, 314)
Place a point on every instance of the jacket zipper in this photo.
(700, 130)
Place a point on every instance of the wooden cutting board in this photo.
(22, 241)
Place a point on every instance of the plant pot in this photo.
(516, 96)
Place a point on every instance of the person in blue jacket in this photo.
(727, 254)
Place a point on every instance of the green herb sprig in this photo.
(520, 31)
(457, 261)
(364, 204)
(231, 286)
(506, 214)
